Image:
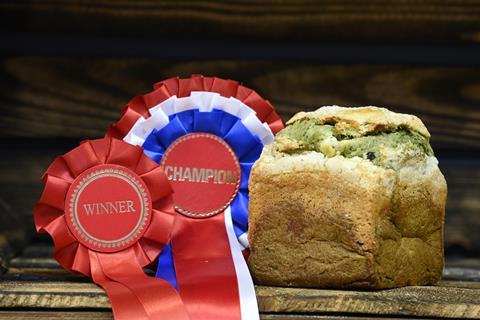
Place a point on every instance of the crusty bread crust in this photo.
(366, 119)
(345, 222)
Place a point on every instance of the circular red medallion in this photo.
(204, 173)
(108, 208)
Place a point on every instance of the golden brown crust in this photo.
(367, 119)
(340, 222)
(301, 234)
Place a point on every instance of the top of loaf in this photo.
(364, 119)
(386, 139)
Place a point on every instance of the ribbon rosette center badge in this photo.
(174, 192)
(204, 172)
(108, 208)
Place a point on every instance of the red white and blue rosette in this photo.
(207, 133)
(139, 108)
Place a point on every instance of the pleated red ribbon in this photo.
(114, 265)
(140, 105)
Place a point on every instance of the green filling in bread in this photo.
(383, 148)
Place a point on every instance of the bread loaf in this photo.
(347, 197)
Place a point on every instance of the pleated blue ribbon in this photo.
(246, 146)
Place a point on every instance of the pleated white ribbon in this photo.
(203, 101)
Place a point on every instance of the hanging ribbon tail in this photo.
(205, 270)
(155, 297)
(246, 288)
(118, 294)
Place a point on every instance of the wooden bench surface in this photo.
(36, 286)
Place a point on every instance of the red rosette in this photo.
(109, 210)
(140, 105)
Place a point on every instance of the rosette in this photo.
(139, 108)
(153, 111)
(109, 210)
(203, 102)
(207, 133)
(208, 156)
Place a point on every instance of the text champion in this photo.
(201, 175)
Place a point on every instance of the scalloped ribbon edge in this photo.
(204, 101)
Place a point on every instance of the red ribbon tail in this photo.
(119, 295)
(132, 293)
(205, 270)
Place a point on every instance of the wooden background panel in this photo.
(80, 97)
(21, 166)
(26, 160)
(463, 206)
(420, 21)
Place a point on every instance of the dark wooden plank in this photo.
(14, 232)
(431, 21)
(20, 189)
(106, 315)
(275, 316)
(56, 315)
(22, 167)
(463, 204)
(460, 273)
(79, 98)
(418, 301)
(449, 302)
(463, 273)
(460, 284)
(464, 263)
(35, 280)
(52, 295)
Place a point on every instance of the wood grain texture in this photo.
(52, 295)
(21, 168)
(64, 315)
(20, 189)
(107, 315)
(419, 301)
(421, 21)
(29, 159)
(449, 302)
(462, 220)
(37, 258)
(458, 272)
(79, 98)
(14, 234)
(35, 283)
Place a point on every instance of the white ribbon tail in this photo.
(246, 289)
(243, 239)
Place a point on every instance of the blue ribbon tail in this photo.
(166, 266)
(239, 208)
